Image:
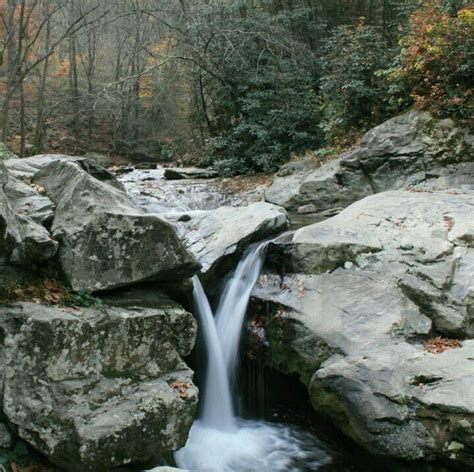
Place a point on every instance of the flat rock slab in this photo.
(94, 389)
(218, 238)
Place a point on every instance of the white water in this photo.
(219, 441)
(217, 409)
(233, 305)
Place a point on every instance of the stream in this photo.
(220, 440)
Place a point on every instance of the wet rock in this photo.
(105, 242)
(218, 238)
(411, 150)
(353, 298)
(98, 388)
(179, 173)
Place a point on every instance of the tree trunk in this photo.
(73, 84)
(40, 121)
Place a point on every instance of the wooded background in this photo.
(237, 84)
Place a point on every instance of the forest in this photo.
(238, 85)
(236, 235)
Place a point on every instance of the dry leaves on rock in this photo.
(182, 388)
(440, 344)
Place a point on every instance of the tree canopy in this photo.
(239, 85)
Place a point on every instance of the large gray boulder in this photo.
(218, 238)
(106, 242)
(352, 299)
(24, 169)
(411, 150)
(98, 388)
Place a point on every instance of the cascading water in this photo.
(217, 411)
(233, 305)
(219, 441)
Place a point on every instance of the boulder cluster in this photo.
(102, 384)
(374, 308)
(370, 302)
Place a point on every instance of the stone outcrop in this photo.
(28, 201)
(218, 238)
(106, 242)
(354, 298)
(9, 236)
(411, 150)
(24, 240)
(25, 169)
(98, 388)
(106, 386)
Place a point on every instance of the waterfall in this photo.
(222, 337)
(217, 409)
(219, 441)
(233, 305)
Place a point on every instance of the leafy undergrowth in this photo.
(50, 291)
(439, 344)
(181, 387)
(247, 183)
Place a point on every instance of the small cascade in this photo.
(219, 441)
(217, 409)
(233, 305)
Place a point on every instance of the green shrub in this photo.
(354, 94)
(259, 91)
(436, 62)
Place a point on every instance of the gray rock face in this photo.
(359, 294)
(25, 169)
(105, 242)
(24, 241)
(410, 150)
(36, 244)
(9, 236)
(94, 389)
(218, 238)
(28, 201)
